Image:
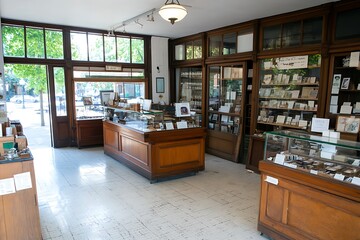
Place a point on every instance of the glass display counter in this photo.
(310, 187)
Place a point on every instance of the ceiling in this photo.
(203, 15)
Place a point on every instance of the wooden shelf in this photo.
(290, 109)
(290, 84)
(276, 98)
(282, 125)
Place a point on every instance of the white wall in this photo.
(160, 67)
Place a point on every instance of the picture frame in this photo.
(160, 85)
(105, 96)
(348, 124)
(87, 101)
(182, 109)
(345, 83)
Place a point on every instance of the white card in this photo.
(272, 180)
(354, 59)
(181, 125)
(280, 159)
(356, 162)
(290, 165)
(169, 126)
(7, 186)
(313, 172)
(346, 109)
(334, 100)
(339, 176)
(356, 181)
(22, 181)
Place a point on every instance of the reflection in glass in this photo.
(229, 43)
(189, 81)
(137, 50)
(60, 91)
(197, 49)
(291, 34)
(272, 35)
(312, 30)
(189, 51)
(214, 46)
(180, 52)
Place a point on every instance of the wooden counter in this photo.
(156, 154)
(19, 211)
(305, 206)
(89, 132)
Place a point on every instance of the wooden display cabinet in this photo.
(226, 110)
(89, 132)
(343, 88)
(19, 211)
(138, 140)
(310, 187)
(289, 92)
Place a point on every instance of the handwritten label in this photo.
(7, 186)
(22, 181)
(280, 159)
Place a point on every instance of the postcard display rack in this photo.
(288, 92)
(310, 187)
(190, 87)
(225, 110)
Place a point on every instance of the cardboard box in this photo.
(22, 142)
(6, 141)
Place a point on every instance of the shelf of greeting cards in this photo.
(289, 98)
(290, 109)
(349, 90)
(289, 84)
(283, 125)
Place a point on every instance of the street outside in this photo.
(30, 119)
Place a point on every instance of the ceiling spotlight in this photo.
(172, 11)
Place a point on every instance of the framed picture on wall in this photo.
(345, 83)
(105, 97)
(160, 85)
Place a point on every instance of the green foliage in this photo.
(54, 44)
(137, 50)
(35, 43)
(13, 41)
(123, 49)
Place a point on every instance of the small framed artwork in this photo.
(345, 83)
(182, 109)
(105, 97)
(214, 117)
(160, 85)
(87, 101)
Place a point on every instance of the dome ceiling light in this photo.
(172, 11)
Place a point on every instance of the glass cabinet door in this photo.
(225, 98)
(190, 88)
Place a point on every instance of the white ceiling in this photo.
(203, 15)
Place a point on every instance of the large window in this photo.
(40, 42)
(90, 47)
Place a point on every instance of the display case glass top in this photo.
(323, 156)
(288, 92)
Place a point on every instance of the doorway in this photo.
(27, 101)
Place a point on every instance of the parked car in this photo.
(19, 99)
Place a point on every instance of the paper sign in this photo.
(320, 124)
(339, 176)
(169, 126)
(313, 172)
(280, 159)
(346, 109)
(290, 165)
(22, 181)
(356, 181)
(7, 186)
(354, 59)
(356, 162)
(181, 125)
(272, 180)
(334, 100)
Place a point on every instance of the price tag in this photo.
(356, 181)
(314, 172)
(290, 165)
(356, 162)
(280, 159)
(272, 180)
(339, 176)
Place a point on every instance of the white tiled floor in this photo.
(84, 194)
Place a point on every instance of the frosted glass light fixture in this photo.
(172, 11)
